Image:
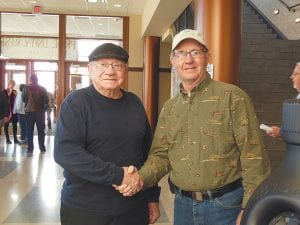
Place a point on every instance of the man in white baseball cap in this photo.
(207, 139)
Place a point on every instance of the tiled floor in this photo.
(30, 187)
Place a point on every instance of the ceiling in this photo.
(163, 13)
(38, 24)
(105, 7)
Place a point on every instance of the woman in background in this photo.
(11, 95)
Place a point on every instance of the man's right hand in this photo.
(132, 182)
(275, 132)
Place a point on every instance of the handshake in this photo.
(132, 182)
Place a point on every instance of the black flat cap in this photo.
(109, 50)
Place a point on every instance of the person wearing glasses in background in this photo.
(275, 131)
(101, 130)
(208, 140)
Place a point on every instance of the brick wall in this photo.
(266, 65)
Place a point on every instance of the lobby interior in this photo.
(30, 187)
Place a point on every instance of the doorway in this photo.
(20, 71)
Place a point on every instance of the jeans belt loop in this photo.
(197, 195)
(210, 195)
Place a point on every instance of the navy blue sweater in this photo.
(95, 137)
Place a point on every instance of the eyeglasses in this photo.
(105, 66)
(294, 74)
(194, 53)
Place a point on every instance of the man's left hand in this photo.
(154, 212)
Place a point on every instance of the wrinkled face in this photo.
(190, 61)
(107, 74)
(295, 77)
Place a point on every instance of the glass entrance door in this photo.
(79, 77)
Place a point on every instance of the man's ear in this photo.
(172, 61)
(208, 57)
(89, 68)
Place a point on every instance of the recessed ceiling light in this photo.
(297, 20)
(33, 2)
(276, 11)
(117, 5)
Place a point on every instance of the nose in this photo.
(292, 76)
(110, 70)
(189, 57)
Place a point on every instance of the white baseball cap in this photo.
(187, 34)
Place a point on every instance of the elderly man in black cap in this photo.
(101, 130)
(36, 99)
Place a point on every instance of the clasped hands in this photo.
(132, 182)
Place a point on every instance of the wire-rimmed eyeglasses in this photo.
(194, 53)
(105, 66)
(295, 74)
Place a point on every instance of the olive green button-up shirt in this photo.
(206, 139)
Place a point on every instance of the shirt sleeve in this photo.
(157, 164)
(254, 159)
(70, 146)
(153, 193)
(17, 105)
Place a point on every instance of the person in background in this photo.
(50, 107)
(11, 95)
(36, 102)
(208, 140)
(19, 109)
(101, 130)
(4, 109)
(295, 77)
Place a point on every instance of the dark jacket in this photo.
(35, 98)
(4, 108)
(11, 101)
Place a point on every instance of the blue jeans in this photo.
(218, 211)
(22, 123)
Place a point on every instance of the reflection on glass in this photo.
(110, 28)
(79, 50)
(79, 77)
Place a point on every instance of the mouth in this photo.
(110, 79)
(189, 70)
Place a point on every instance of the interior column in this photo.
(221, 24)
(151, 76)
